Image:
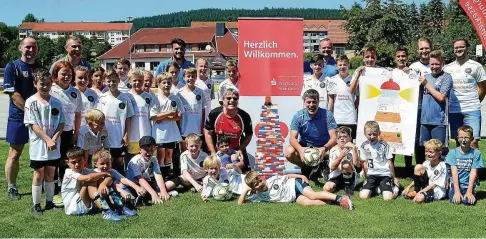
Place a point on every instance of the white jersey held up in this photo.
(116, 110)
(320, 85)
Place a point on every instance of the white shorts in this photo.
(439, 193)
(76, 206)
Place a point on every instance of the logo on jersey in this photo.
(25, 74)
(147, 100)
(198, 97)
(55, 111)
(209, 86)
(322, 85)
(201, 164)
(90, 98)
(468, 70)
(173, 104)
(436, 172)
(412, 75)
(276, 187)
(122, 106)
(129, 86)
(74, 95)
(103, 137)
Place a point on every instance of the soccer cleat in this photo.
(57, 200)
(37, 210)
(13, 194)
(346, 203)
(128, 212)
(50, 206)
(111, 216)
(173, 193)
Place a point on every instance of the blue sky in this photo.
(12, 12)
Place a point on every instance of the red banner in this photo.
(476, 11)
(270, 57)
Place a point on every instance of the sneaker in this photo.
(346, 203)
(348, 190)
(173, 193)
(111, 216)
(13, 194)
(37, 210)
(57, 200)
(128, 212)
(50, 206)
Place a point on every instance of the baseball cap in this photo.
(146, 141)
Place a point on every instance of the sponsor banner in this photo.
(476, 11)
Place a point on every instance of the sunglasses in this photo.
(232, 98)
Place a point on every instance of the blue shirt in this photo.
(433, 111)
(464, 163)
(18, 78)
(65, 58)
(313, 131)
(329, 68)
(163, 66)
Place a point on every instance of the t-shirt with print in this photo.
(433, 111)
(465, 94)
(208, 88)
(313, 131)
(344, 108)
(71, 103)
(124, 85)
(140, 124)
(48, 116)
(194, 104)
(166, 131)
(226, 84)
(116, 110)
(320, 85)
(334, 154)
(376, 156)
(138, 166)
(235, 128)
(231, 177)
(70, 190)
(90, 100)
(88, 140)
(422, 70)
(436, 174)
(281, 188)
(115, 175)
(464, 163)
(194, 166)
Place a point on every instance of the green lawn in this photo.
(187, 216)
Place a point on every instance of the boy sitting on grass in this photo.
(192, 163)
(464, 162)
(226, 154)
(93, 135)
(217, 174)
(430, 177)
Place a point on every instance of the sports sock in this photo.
(36, 194)
(12, 186)
(338, 198)
(49, 188)
(417, 181)
(104, 205)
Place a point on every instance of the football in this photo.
(222, 192)
(311, 156)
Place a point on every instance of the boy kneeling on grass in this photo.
(81, 187)
(464, 162)
(289, 188)
(430, 177)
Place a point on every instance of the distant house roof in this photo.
(74, 26)
(334, 28)
(226, 45)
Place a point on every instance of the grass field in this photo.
(188, 216)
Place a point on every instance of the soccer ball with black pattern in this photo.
(311, 156)
(222, 192)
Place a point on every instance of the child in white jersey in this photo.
(288, 188)
(148, 81)
(192, 163)
(122, 67)
(45, 120)
(232, 81)
(173, 69)
(142, 101)
(118, 110)
(217, 174)
(82, 187)
(93, 136)
(89, 97)
(97, 78)
(193, 101)
(204, 83)
(317, 80)
(343, 159)
(429, 178)
(378, 166)
(165, 112)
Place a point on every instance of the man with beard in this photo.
(178, 51)
(19, 85)
(469, 89)
(316, 127)
(74, 48)
(325, 48)
(232, 122)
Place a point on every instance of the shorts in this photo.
(36, 164)
(435, 194)
(76, 206)
(133, 148)
(66, 143)
(383, 182)
(118, 152)
(471, 118)
(339, 181)
(17, 133)
(428, 132)
(353, 128)
(171, 145)
(299, 187)
(463, 192)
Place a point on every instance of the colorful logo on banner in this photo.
(476, 11)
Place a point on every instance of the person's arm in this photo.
(9, 86)
(242, 150)
(86, 158)
(436, 94)
(392, 169)
(330, 143)
(303, 177)
(165, 116)
(355, 158)
(161, 183)
(18, 100)
(469, 193)
(144, 184)
(93, 177)
(294, 142)
(103, 187)
(208, 136)
(429, 187)
(457, 190)
(355, 81)
(242, 198)
(127, 130)
(188, 177)
(203, 118)
(77, 125)
(330, 104)
(407, 189)
(335, 164)
(482, 90)
(140, 191)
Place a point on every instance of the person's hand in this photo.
(301, 154)
(344, 152)
(103, 190)
(125, 195)
(322, 152)
(75, 139)
(156, 199)
(457, 198)
(164, 196)
(405, 192)
(140, 191)
(204, 197)
(240, 154)
(125, 140)
(349, 145)
(360, 70)
(395, 180)
(470, 197)
(230, 166)
(405, 69)
(422, 80)
(199, 188)
(304, 179)
(51, 145)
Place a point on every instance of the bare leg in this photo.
(12, 163)
(311, 194)
(304, 201)
(329, 187)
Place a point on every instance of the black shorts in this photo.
(66, 143)
(429, 195)
(171, 145)
(40, 164)
(339, 181)
(118, 152)
(299, 187)
(353, 128)
(383, 182)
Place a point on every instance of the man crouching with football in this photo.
(316, 128)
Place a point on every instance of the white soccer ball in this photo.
(222, 192)
(311, 156)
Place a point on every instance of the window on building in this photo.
(169, 48)
(339, 50)
(110, 66)
(154, 65)
(188, 47)
(140, 65)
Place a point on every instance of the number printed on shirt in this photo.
(370, 163)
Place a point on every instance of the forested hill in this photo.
(184, 18)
